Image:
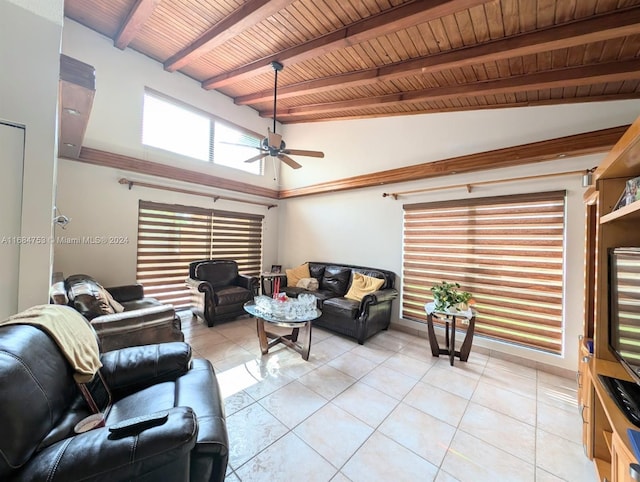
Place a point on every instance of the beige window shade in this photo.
(171, 236)
(507, 251)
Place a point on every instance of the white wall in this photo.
(30, 33)
(355, 227)
(363, 146)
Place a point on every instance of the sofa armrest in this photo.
(249, 282)
(164, 449)
(145, 326)
(131, 369)
(126, 293)
(199, 286)
(379, 297)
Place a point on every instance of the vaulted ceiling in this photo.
(370, 58)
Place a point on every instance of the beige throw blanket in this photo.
(70, 330)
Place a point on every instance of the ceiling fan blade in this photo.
(289, 162)
(298, 152)
(258, 157)
(275, 140)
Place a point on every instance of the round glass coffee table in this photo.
(268, 339)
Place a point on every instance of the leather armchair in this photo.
(218, 291)
(40, 404)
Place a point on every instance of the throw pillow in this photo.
(363, 285)
(336, 279)
(296, 274)
(310, 284)
(316, 270)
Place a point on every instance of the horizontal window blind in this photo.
(627, 306)
(172, 236)
(507, 251)
(239, 237)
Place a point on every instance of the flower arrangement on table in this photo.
(447, 298)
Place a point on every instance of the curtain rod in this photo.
(470, 185)
(215, 197)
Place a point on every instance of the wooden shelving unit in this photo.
(605, 426)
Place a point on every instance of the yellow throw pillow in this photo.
(296, 274)
(362, 285)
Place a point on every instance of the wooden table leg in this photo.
(306, 345)
(465, 349)
(262, 336)
(433, 341)
(452, 346)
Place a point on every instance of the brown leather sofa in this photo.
(166, 422)
(356, 319)
(218, 291)
(137, 320)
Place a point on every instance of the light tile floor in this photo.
(387, 410)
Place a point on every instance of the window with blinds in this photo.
(171, 236)
(507, 251)
(176, 127)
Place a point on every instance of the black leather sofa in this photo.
(143, 321)
(356, 319)
(40, 404)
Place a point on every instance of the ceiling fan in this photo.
(273, 145)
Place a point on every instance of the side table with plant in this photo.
(447, 296)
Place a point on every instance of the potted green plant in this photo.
(446, 297)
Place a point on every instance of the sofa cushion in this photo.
(140, 304)
(316, 271)
(232, 295)
(342, 307)
(218, 273)
(321, 295)
(335, 279)
(296, 274)
(88, 296)
(363, 285)
(310, 284)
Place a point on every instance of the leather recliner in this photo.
(142, 321)
(40, 404)
(218, 291)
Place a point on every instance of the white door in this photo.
(11, 162)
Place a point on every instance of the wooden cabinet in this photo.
(585, 396)
(604, 425)
(621, 460)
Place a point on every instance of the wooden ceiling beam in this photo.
(136, 18)
(558, 148)
(565, 77)
(526, 103)
(593, 29)
(401, 17)
(249, 14)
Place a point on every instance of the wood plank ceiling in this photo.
(370, 58)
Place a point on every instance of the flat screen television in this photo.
(624, 308)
